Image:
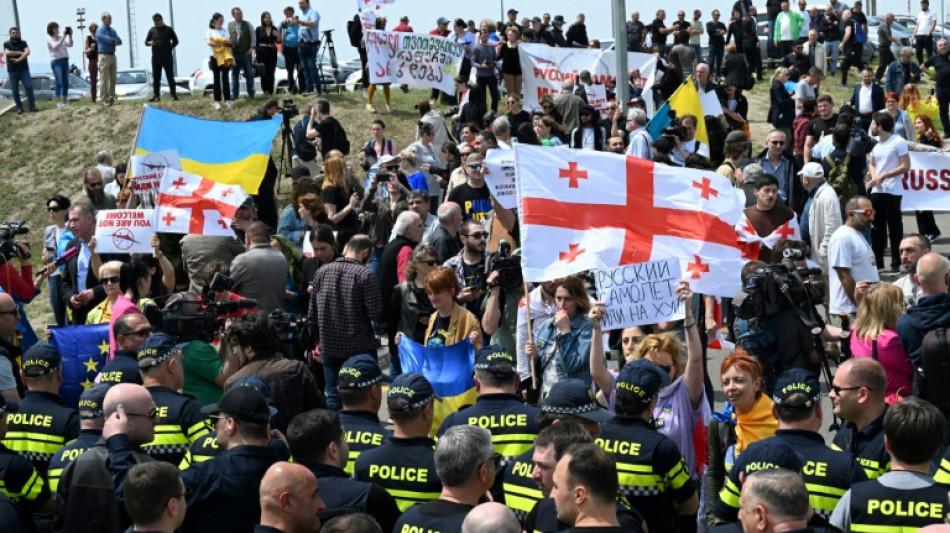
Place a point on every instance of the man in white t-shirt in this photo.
(913, 247)
(924, 30)
(851, 258)
(887, 163)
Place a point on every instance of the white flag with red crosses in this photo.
(752, 242)
(584, 210)
(194, 205)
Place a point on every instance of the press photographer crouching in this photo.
(776, 316)
(255, 342)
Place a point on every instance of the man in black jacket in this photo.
(577, 34)
(163, 41)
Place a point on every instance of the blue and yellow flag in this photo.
(235, 153)
(685, 101)
(85, 350)
(450, 370)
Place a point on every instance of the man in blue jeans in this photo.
(16, 51)
(243, 41)
(309, 44)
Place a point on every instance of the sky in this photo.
(191, 19)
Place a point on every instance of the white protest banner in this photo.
(710, 103)
(414, 59)
(926, 186)
(502, 177)
(125, 231)
(596, 96)
(367, 20)
(368, 4)
(644, 293)
(148, 168)
(544, 68)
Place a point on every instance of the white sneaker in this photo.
(370, 108)
(59, 104)
(217, 106)
(227, 104)
(389, 108)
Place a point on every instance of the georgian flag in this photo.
(752, 242)
(584, 210)
(191, 204)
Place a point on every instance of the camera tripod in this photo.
(285, 162)
(327, 48)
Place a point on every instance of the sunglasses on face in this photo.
(110, 280)
(144, 332)
(478, 235)
(431, 262)
(152, 414)
(475, 166)
(54, 209)
(777, 143)
(865, 212)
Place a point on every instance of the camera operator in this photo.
(506, 288)
(686, 142)
(325, 131)
(254, 341)
(18, 280)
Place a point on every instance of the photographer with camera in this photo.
(59, 59)
(686, 143)
(325, 131)
(506, 288)
(17, 281)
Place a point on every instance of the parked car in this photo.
(203, 81)
(136, 84)
(910, 21)
(44, 84)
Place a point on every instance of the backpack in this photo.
(388, 147)
(840, 181)
(306, 151)
(933, 376)
(354, 30)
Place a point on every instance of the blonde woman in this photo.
(915, 105)
(341, 211)
(109, 277)
(875, 336)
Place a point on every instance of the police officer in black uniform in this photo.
(317, 441)
(180, 420)
(857, 393)
(906, 498)
(652, 472)
(43, 423)
(404, 464)
(130, 331)
(19, 480)
(466, 460)
(569, 400)
(90, 431)
(828, 473)
(361, 392)
(766, 454)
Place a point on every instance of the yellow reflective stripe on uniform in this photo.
(197, 430)
(729, 494)
(407, 498)
(677, 476)
(185, 461)
(29, 491)
(521, 498)
(351, 462)
(52, 478)
(823, 504)
(630, 475)
(825, 489)
(512, 449)
(942, 475)
(835, 447)
(868, 528)
(22, 441)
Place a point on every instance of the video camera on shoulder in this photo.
(778, 286)
(188, 318)
(676, 131)
(9, 248)
(507, 266)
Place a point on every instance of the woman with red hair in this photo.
(450, 323)
(747, 418)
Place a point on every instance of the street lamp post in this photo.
(81, 19)
(171, 20)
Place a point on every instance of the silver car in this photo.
(136, 84)
(44, 84)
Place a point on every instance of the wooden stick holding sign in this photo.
(527, 313)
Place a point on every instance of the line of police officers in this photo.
(394, 470)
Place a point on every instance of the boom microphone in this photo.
(67, 255)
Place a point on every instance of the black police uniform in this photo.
(42, 426)
(87, 439)
(20, 481)
(650, 469)
(180, 424)
(866, 445)
(942, 475)
(521, 490)
(437, 515)
(11, 519)
(344, 495)
(513, 425)
(363, 432)
(875, 507)
(543, 518)
(124, 368)
(405, 467)
(828, 474)
(206, 447)
(225, 491)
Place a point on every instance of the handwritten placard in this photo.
(148, 168)
(643, 293)
(414, 59)
(596, 96)
(125, 231)
(502, 177)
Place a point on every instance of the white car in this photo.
(203, 80)
(136, 84)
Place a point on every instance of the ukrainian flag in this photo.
(685, 101)
(85, 350)
(234, 153)
(450, 369)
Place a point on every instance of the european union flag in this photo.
(223, 151)
(450, 369)
(85, 350)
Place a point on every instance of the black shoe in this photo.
(154, 99)
(175, 97)
(33, 110)
(19, 111)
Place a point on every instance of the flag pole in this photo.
(527, 312)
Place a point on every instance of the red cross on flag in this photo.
(191, 204)
(584, 210)
(786, 231)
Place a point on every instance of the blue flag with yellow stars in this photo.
(85, 350)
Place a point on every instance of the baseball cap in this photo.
(812, 170)
(360, 371)
(299, 171)
(769, 454)
(642, 378)
(408, 392)
(156, 348)
(41, 359)
(796, 381)
(496, 360)
(91, 399)
(244, 404)
(389, 159)
(442, 20)
(573, 397)
(255, 382)
(535, 19)
(8, 407)
(512, 11)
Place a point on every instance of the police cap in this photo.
(408, 392)
(157, 348)
(496, 360)
(91, 399)
(360, 371)
(41, 359)
(255, 382)
(244, 404)
(770, 454)
(797, 381)
(641, 378)
(573, 397)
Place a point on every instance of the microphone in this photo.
(67, 255)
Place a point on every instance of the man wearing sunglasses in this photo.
(93, 188)
(850, 255)
(857, 394)
(130, 331)
(775, 160)
(465, 461)
(469, 265)
(473, 196)
(86, 491)
(11, 385)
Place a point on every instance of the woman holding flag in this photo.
(450, 323)
(562, 345)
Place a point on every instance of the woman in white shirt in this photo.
(59, 59)
(219, 40)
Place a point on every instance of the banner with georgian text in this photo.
(414, 59)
